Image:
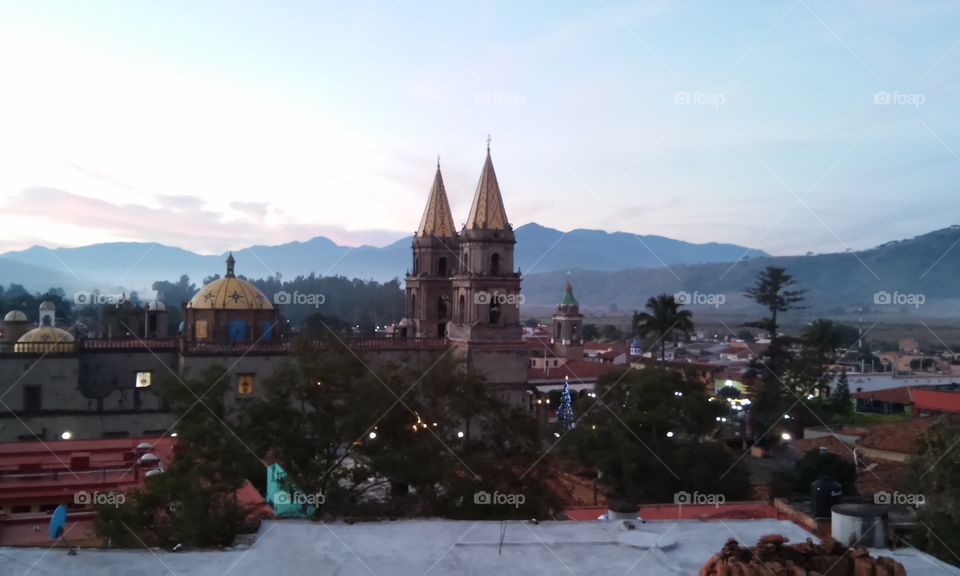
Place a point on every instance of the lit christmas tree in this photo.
(565, 411)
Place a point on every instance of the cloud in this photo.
(182, 221)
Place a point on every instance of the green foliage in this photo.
(610, 333)
(623, 433)
(842, 400)
(194, 500)
(387, 443)
(774, 290)
(933, 473)
(664, 320)
(590, 332)
(812, 466)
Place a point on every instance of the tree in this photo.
(531, 322)
(933, 476)
(649, 433)
(610, 333)
(842, 400)
(194, 501)
(823, 337)
(590, 332)
(565, 411)
(813, 466)
(773, 289)
(665, 320)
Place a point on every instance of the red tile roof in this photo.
(901, 395)
(936, 400)
(897, 436)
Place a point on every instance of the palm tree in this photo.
(665, 319)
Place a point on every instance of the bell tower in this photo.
(435, 250)
(486, 288)
(567, 335)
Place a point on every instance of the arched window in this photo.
(495, 264)
(494, 313)
(441, 308)
(462, 312)
(442, 266)
(413, 305)
(465, 264)
(557, 330)
(416, 265)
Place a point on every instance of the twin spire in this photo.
(486, 212)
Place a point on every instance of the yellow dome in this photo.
(230, 294)
(15, 316)
(56, 340)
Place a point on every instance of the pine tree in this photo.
(565, 411)
(841, 394)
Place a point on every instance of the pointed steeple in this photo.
(437, 219)
(487, 211)
(568, 299)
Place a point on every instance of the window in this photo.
(442, 308)
(442, 266)
(32, 399)
(462, 309)
(495, 264)
(494, 313)
(116, 434)
(143, 379)
(245, 384)
(200, 330)
(413, 306)
(20, 509)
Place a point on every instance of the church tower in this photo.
(567, 336)
(486, 288)
(435, 253)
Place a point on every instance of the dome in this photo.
(57, 340)
(156, 305)
(15, 316)
(47, 305)
(230, 293)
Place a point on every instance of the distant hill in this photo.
(539, 249)
(927, 266)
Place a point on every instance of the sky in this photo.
(789, 126)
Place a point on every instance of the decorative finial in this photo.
(438, 161)
(230, 263)
(488, 142)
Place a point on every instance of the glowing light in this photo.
(66, 435)
(459, 434)
(174, 435)
(669, 434)
(728, 383)
(372, 435)
(786, 416)
(786, 436)
(414, 427)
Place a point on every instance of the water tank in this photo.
(824, 493)
(620, 510)
(860, 525)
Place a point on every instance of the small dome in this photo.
(47, 305)
(45, 339)
(156, 305)
(230, 293)
(15, 316)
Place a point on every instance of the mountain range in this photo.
(539, 249)
(611, 272)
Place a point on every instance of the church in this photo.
(462, 292)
